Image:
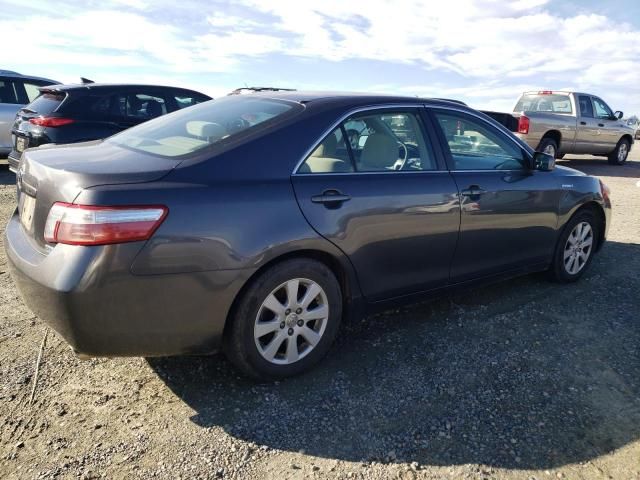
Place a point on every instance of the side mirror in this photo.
(618, 114)
(543, 162)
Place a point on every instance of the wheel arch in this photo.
(598, 211)
(555, 135)
(352, 300)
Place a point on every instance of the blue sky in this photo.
(484, 52)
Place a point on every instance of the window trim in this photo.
(526, 155)
(427, 131)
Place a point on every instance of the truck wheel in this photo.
(619, 155)
(548, 146)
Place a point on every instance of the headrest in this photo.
(207, 130)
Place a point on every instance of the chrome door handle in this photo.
(473, 191)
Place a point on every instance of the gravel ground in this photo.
(519, 380)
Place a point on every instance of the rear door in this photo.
(587, 130)
(508, 212)
(385, 200)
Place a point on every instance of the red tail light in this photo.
(545, 92)
(97, 225)
(50, 121)
(523, 124)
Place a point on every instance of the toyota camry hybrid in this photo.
(254, 224)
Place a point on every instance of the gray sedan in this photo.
(254, 224)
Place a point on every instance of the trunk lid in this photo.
(59, 173)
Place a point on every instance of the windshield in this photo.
(46, 103)
(544, 102)
(198, 127)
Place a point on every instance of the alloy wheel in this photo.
(291, 321)
(550, 150)
(578, 248)
(623, 150)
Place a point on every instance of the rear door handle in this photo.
(331, 198)
(601, 124)
(583, 123)
(473, 191)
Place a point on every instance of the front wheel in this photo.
(575, 248)
(286, 320)
(620, 154)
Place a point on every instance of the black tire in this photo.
(558, 270)
(615, 157)
(240, 346)
(546, 143)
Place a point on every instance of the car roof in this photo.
(111, 86)
(318, 98)
(11, 73)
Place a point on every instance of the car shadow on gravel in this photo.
(600, 167)
(523, 374)
(6, 176)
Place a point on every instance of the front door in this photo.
(508, 216)
(385, 201)
(608, 125)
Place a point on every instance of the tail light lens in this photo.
(97, 225)
(523, 124)
(50, 121)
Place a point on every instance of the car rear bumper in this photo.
(89, 296)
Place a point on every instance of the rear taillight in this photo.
(523, 124)
(50, 121)
(98, 225)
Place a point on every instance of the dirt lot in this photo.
(519, 380)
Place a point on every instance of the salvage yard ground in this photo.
(519, 380)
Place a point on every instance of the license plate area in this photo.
(27, 209)
(21, 144)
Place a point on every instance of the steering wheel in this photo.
(237, 124)
(401, 162)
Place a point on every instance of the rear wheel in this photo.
(575, 248)
(286, 320)
(548, 146)
(620, 154)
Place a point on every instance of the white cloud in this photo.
(491, 46)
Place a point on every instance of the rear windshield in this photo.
(46, 103)
(198, 127)
(554, 103)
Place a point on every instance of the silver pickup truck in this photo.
(558, 123)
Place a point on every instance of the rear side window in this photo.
(144, 107)
(203, 125)
(8, 93)
(47, 103)
(376, 142)
(586, 109)
(544, 102)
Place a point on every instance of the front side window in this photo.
(475, 145)
(184, 101)
(602, 109)
(375, 142)
(196, 128)
(8, 92)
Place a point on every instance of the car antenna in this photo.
(86, 80)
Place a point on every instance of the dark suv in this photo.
(79, 113)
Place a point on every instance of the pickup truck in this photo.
(558, 123)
